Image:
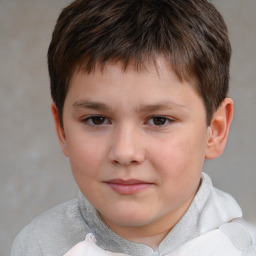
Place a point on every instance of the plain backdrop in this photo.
(34, 176)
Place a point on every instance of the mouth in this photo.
(128, 187)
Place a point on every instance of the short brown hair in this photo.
(191, 34)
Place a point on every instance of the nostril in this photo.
(115, 162)
(126, 163)
(125, 149)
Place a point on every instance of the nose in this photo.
(127, 146)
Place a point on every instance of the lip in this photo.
(128, 187)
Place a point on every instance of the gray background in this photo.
(34, 175)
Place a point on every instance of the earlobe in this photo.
(219, 129)
(59, 129)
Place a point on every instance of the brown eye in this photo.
(96, 120)
(159, 120)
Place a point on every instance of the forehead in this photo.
(155, 84)
(159, 69)
(158, 65)
(149, 63)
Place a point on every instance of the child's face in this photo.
(136, 142)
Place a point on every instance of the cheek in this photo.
(85, 156)
(85, 161)
(178, 158)
(179, 170)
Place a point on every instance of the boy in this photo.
(139, 94)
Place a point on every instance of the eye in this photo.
(95, 120)
(159, 121)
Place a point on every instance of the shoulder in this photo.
(242, 234)
(235, 238)
(47, 233)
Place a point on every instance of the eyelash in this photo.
(89, 120)
(166, 120)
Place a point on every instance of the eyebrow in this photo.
(90, 105)
(165, 105)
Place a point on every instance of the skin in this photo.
(149, 127)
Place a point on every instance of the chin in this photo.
(133, 219)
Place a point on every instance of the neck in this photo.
(150, 234)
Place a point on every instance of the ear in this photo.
(219, 129)
(59, 129)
